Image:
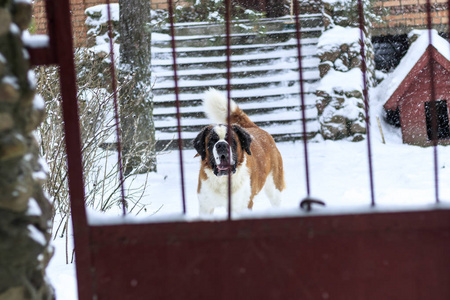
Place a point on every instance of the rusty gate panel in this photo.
(368, 256)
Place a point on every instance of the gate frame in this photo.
(293, 257)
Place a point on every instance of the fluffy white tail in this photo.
(215, 105)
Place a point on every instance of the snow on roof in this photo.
(415, 52)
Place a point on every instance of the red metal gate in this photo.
(363, 256)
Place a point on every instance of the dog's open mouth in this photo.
(224, 167)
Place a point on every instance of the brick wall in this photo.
(402, 15)
(78, 17)
(39, 16)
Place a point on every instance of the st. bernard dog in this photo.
(253, 160)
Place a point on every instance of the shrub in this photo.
(98, 131)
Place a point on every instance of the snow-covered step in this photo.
(286, 102)
(264, 78)
(236, 38)
(309, 63)
(262, 52)
(193, 50)
(161, 73)
(256, 95)
(276, 116)
(270, 24)
(285, 77)
(293, 130)
(308, 51)
(258, 85)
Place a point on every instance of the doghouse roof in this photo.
(391, 89)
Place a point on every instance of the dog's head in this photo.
(212, 145)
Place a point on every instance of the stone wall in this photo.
(340, 99)
(25, 212)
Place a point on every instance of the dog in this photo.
(253, 159)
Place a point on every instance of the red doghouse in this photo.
(418, 92)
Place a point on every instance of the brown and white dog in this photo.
(255, 162)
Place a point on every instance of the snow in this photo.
(11, 80)
(102, 11)
(32, 79)
(333, 38)
(291, 42)
(38, 102)
(39, 176)
(307, 74)
(166, 37)
(403, 174)
(214, 82)
(280, 53)
(238, 93)
(106, 49)
(14, 29)
(415, 52)
(35, 40)
(403, 177)
(336, 81)
(36, 235)
(44, 166)
(96, 218)
(61, 275)
(33, 208)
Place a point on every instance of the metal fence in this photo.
(400, 255)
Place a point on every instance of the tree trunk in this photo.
(138, 129)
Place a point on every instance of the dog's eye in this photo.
(233, 140)
(212, 141)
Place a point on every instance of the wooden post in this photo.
(381, 130)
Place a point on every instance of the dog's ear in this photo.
(199, 142)
(244, 137)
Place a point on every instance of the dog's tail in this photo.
(215, 105)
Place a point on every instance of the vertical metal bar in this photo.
(116, 109)
(60, 30)
(228, 65)
(366, 99)
(302, 95)
(448, 21)
(433, 110)
(177, 102)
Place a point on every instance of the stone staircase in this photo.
(265, 79)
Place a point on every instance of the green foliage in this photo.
(213, 12)
(346, 13)
(32, 27)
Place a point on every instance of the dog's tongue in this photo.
(223, 166)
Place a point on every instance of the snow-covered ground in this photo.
(403, 179)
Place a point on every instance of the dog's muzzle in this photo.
(222, 157)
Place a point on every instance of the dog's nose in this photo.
(222, 148)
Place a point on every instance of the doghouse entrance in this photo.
(443, 130)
